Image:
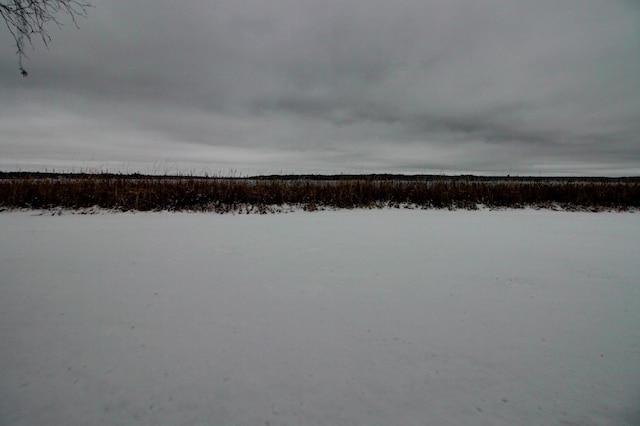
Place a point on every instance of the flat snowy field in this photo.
(330, 318)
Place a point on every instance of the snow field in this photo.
(328, 318)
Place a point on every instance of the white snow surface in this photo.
(381, 317)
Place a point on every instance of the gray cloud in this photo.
(289, 85)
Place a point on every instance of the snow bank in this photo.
(329, 318)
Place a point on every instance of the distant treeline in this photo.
(316, 177)
(312, 192)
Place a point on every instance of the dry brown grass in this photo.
(272, 193)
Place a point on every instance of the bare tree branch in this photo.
(28, 19)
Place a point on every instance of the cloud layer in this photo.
(493, 86)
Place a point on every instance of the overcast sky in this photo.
(289, 86)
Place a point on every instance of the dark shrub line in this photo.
(309, 192)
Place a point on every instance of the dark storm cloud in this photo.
(412, 85)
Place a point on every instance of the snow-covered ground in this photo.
(329, 318)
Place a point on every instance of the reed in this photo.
(273, 193)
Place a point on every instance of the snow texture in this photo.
(328, 318)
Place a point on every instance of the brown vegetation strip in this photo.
(268, 193)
